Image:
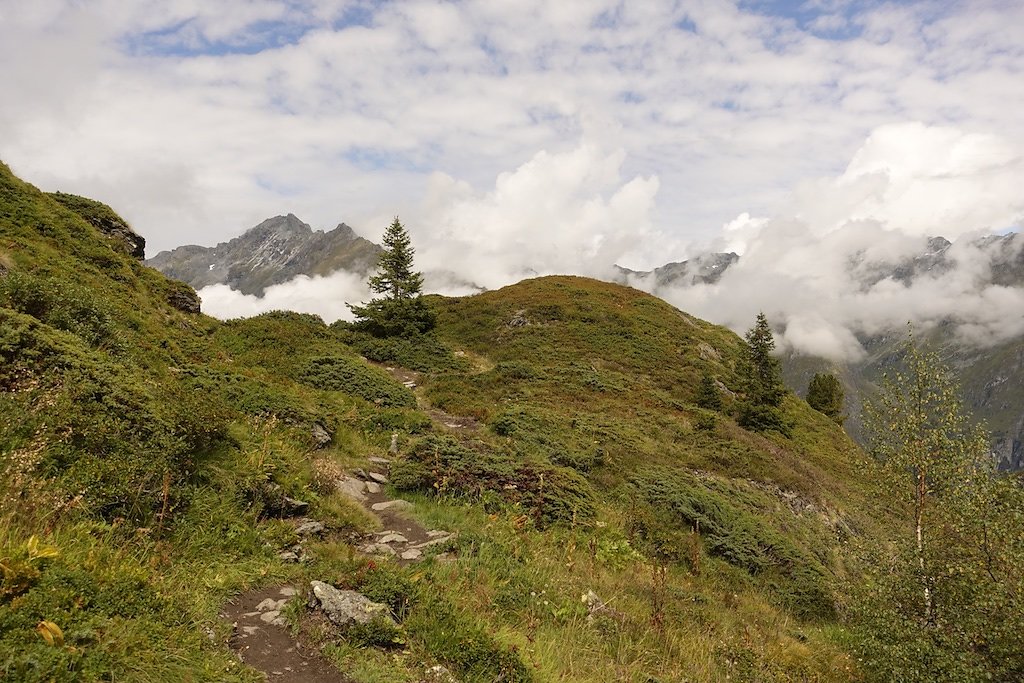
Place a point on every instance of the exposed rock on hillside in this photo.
(104, 219)
(273, 252)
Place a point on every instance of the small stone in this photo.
(409, 384)
(288, 592)
(377, 549)
(378, 477)
(270, 604)
(309, 528)
(392, 505)
(294, 507)
(321, 437)
(437, 533)
(412, 554)
(353, 488)
(373, 487)
(440, 540)
(439, 674)
(288, 556)
(250, 630)
(361, 473)
(380, 461)
(269, 617)
(393, 538)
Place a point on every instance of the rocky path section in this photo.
(402, 538)
(261, 636)
(262, 640)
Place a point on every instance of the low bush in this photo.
(421, 352)
(441, 465)
(466, 648)
(60, 304)
(734, 529)
(337, 373)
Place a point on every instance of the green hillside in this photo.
(608, 528)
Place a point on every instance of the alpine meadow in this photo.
(456, 341)
(606, 519)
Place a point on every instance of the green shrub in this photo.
(441, 465)
(390, 420)
(734, 529)
(377, 633)
(389, 585)
(336, 373)
(60, 304)
(421, 352)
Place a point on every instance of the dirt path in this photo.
(261, 637)
(263, 641)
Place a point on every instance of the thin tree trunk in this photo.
(919, 523)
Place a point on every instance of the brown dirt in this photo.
(270, 648)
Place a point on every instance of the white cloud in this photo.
(249, 109)
(324, 296)
(567, 212)
(823, 272)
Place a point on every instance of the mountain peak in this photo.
(273, 252)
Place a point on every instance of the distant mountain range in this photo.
(992, 377)
(273, 252)
(281, 248)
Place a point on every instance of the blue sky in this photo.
(525, 136)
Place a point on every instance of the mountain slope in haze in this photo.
(703, 269)
(992, 375)
(273, 252)
(145, 451)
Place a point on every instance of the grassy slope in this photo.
(136, 441)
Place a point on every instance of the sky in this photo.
(520, 137)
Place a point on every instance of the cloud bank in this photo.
(824, 272)
(325, 296)
(196, 120)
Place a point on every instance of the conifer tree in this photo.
(762, 381)
(401, 310)
(708, 395)
(825, 394)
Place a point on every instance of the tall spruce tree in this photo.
(401, 311)
(762, 381)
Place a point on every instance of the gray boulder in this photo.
(344, 607)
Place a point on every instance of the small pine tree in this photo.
(708, 395)
(825, 394)
(401, 311)
(762, 377)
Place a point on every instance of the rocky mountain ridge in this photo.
(271, 253)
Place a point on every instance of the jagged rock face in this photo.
(273, 252)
